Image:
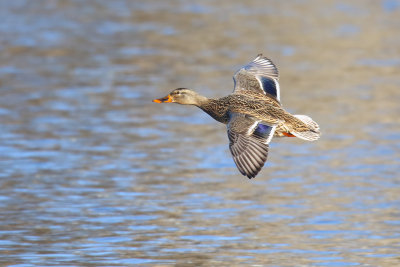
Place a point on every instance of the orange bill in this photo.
(166, 99)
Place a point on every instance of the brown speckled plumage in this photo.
(253, 114)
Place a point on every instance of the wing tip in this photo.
(247, 164)
(267, 61)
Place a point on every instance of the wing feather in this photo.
(248, 144)
(260, 75)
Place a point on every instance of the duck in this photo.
(253, 114)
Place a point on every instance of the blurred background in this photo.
(95, 174)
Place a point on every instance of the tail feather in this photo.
(312, 134)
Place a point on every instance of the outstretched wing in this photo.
(249, 143)
(260, 75)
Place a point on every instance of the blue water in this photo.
(95, 174)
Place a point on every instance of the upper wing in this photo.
(260, 75)
(248, 143)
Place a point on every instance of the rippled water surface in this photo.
(95, 174)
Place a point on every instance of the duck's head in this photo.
(182, 96)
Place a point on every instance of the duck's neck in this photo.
(215, 108)
(200, 100)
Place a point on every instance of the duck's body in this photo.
(253, 114)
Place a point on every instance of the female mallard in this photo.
(253, 114)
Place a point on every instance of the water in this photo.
(94, 174)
